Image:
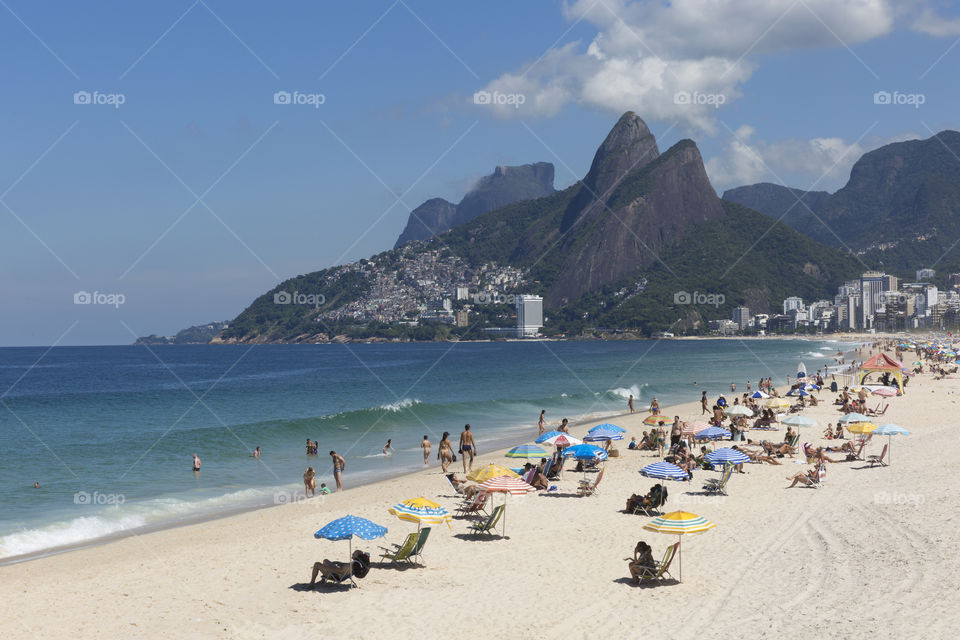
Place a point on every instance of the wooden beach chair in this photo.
(719, 485)
(402, 552)
(587, 489)
(878, 459)
(488, 526)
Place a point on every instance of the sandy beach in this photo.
(868, 555)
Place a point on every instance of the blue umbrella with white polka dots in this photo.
(347, 527)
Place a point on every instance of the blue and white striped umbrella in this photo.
(609, 427)
(712, 433)
(585, 452)
(664, 471)
(760, 394)
(727, 455)
(597, 434)
(347, 527)
(547, 436)
(797, 393)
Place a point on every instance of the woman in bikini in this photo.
(445, 452)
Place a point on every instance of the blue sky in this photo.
(198, 192)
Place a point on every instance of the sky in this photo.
(175, 160)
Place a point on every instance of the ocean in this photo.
(109, 432)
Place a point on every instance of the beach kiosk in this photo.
(880, 364)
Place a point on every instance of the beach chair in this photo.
(556, 468)
(402, 552)
(341, 572)
(662, 568)
(659, 499)
(490, 524)
(449, 478)
(878, 459)
(587, 489)
(821, 476)
(473, 507)
(417, 551)
(719, 485)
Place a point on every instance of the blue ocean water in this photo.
(109, 432)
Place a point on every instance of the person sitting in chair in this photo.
(642, 562)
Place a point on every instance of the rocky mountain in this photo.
(504, 186)
(616, 249)
(900, 207)
(200, 334)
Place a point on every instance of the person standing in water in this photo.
(630, 403)
(388, 447)
(425, 445)
(309, 482)
(196, 462)
(543, 422)
(339, 464)
(468, 447)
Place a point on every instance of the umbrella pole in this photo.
(680, 551)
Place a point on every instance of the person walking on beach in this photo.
(655, 407)
(388, 447)
(542, 424)
(339, 464)
(630, 403)
(468, 447)
(196, 462)
(309, 482)
(425, 445)
(704, 403)
(446, 451)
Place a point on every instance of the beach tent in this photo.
(881, 363)
(801, 371)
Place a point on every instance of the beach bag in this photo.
(453, 457)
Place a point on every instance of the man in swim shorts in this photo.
(468, 447)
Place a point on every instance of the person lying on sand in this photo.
(812, 453)
(772, 449)
(756, 456)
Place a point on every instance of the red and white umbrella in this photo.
(886, 392)
(505, 485)
(564, 440)
(693, 428)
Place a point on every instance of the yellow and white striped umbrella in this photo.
(680, 523)
(421, 511)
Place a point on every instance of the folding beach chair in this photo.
(587, 489)
(417, 551)
(489, 526)
(401, 553)
(878, 459)
(659, 499)
(662, 568)
(473, 507)
(719, 485)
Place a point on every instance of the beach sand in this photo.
(871, 554)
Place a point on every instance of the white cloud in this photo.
(650, 56)
(819, 164)
(931, 23)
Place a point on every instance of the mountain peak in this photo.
(628, 147)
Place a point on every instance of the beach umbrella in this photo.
(861, 428)
(546, 436)
(608, 426)
(654, 420)
(798, 421)
(347, 527)
(602, 434)
(854, 417)
(484, 473)
(797, 393)
(810, 387)
(692, 428)
(739, 410)
(886, 392)
(585, 452)
(527, 451)
(506, 484)
(679, 523)
(563, 439)
(776, 403)
(727, 454)
(421, 511)
(664, 471)
(760, 394)
(890, 430)
(712, 433)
